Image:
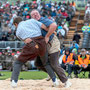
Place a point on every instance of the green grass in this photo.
(25, 75)
(86, 75)
(33, 75)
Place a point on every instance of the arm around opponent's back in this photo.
(51, 30)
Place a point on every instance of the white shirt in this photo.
(28, 29)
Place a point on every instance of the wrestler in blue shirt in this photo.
(47, 22)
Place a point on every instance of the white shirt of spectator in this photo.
(40, 7)
(66, 27)
(52, 8)
(62, 31)
(88, 9)
(38, 2)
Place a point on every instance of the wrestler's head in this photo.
(35, 14)
(17, 20)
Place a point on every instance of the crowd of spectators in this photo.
(7, 58)
(75, 61)
(61, 13)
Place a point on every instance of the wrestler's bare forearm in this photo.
(51, 29)
(47, 29)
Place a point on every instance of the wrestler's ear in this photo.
(16, 24)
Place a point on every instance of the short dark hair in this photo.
(17, 20)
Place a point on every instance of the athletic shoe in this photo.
(68, 84)
(56, 83)
(13, 84)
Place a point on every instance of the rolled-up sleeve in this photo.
(48, 22)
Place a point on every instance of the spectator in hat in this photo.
(74, 5)
(81, 63)
(68, 61)
(85, 27)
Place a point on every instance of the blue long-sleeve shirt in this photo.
(47, 22)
